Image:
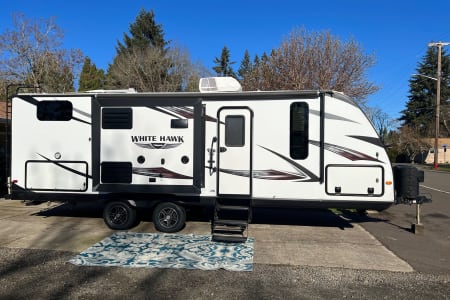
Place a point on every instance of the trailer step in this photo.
(222, 222)
(229, 238)
(228, 230)
(231, 219)
(232, 207)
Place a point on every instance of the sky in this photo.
(396, 32)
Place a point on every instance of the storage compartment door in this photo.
(56, 176)
(354, 180)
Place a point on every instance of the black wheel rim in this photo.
(168, 217)
(118, 215)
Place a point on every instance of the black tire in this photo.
(169, 217)
(119, 215)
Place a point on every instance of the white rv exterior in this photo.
(281, 148)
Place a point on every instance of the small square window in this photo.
(179, 123)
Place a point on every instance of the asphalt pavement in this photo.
(428, 252)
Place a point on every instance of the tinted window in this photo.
(234, 131)
(179, 123)
(299, 130)
(54, 110)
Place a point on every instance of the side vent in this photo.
(117, 118)
(116, 172)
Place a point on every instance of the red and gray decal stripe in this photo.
(160, 173)
(348, 153)
(266, 174)
(184, 112)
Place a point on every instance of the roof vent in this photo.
(124, 91)
(219, 84)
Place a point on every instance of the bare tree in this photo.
(152, 70)
(314, 60)
(410, 141)
(31, 54)
(381, 121)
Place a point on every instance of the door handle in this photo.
(222, 149)
(211, 156)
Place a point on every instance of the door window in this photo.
(234, 131)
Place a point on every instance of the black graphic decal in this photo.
(266, 174)
(65, 167)
(159, 172)
(330, 116)
(81, 121)
(372, 140)
(345, 152)
(159, 109)
(308, 175)
(35, 102)
(302, 173)
(184, 112)
(29, 99)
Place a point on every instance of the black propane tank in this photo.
(406, 183)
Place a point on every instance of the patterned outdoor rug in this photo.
(153, 250)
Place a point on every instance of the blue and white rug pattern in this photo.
(160, 250)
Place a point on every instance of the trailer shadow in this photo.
(299, 217)
(296, 217)
(273, 216)
(78, 210)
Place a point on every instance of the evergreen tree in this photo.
(145, 32)
(144, 60)
(264, 58)
(256, 61)
(246, 65)
(421, 106)
(91, 78)
(223, 64)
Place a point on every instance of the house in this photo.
(4, 121)
(443, 154)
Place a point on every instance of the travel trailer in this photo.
(221, 147)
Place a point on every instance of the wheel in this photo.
(169, 217)
(362, 212)
(119, 215)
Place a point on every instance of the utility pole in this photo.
(438, 100)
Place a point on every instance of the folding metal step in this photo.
(230, 221)
(240, 223)
(232, 207)
(229, 238)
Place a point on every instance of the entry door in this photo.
(235, 151)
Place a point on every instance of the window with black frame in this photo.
(234, 131)
(299, 130)
(54, 110)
